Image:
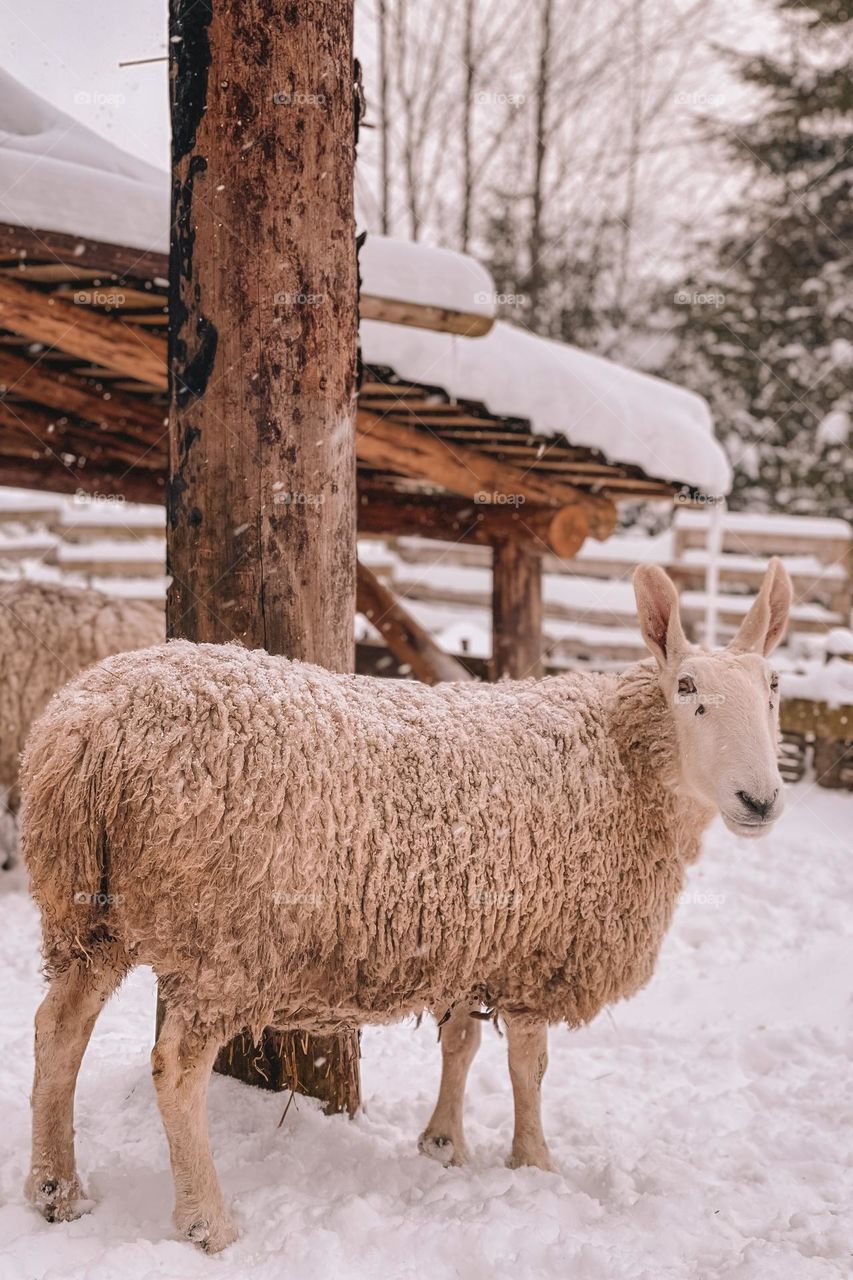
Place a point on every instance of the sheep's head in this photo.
(725, 704)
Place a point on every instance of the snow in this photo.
(761, 522)
(107, 193)
(58, 175)
(701, 1131)
(830, 682)
(431, 277)
(834, 428)
(631, 417)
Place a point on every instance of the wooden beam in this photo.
(71, 394)
(261, 505)
(517, 640)
(24, 243)
(112, 343)
(409, 642)
(57, 434)
(382, 510)
(422, 316)
(54, 462)
(422, 455)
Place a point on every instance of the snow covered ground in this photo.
(702, 1131)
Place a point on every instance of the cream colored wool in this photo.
(291, 847)
(48, 634)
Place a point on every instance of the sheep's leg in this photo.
(181, 1063)
(528, 1059)
(64, 1023)
(443, 1139)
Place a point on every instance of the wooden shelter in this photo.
(83, 407)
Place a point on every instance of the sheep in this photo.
(48, 633)
(294, 848)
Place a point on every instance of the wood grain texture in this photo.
(262, 345)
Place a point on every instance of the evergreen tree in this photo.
(765, 330)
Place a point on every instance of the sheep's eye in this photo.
(700, 710)
(686, 686)
(774, 682)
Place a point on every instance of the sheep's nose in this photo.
(760, 808)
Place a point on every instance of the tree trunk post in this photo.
(262, 362)
(516, 611)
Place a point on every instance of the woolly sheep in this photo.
(49, 633)
(294, 848)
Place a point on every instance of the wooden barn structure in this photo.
(220, 377)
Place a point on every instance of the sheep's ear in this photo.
(657, 609)
(764, 625)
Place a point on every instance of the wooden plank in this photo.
(114, 297)
(261, 508)
(404, 636)
(82, 332)
(107, 258)
(48, 272)
(470, 473)
(35, 431)
(422, 316)
(70, 394)
(48, 473)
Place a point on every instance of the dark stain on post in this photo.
(188, 36)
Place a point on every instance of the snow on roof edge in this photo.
(631, 417)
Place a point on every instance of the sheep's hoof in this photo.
(212, 1236)
(530, 1160)
(443, 1149)
(57, 1199)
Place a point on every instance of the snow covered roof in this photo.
(631, 417)
(107, 193)
(57, 175)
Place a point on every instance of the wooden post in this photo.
(516, 612)
(262, 359)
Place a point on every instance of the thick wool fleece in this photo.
(291, 847)
(48, 634)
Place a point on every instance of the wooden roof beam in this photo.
(81, 332)
(447, 518)
(422, 455)
(69, 393)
